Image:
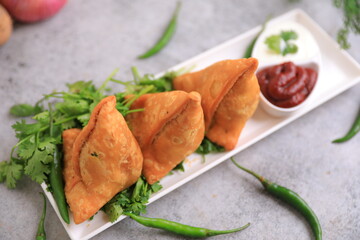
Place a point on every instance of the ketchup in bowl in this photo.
(286, 85)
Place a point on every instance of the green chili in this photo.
(167, 35)
(181, 229)
(41, 234)
(290, 197)
(250, 48)
(355, 128)
(56, 179)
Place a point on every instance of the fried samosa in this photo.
(170, 127)
(99, 161)
(229, 96)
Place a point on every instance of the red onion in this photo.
(32, 10)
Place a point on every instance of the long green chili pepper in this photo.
(41, 234)
(181, 229)
(290, 197)
(167, 35)
(250, 48)
(355, 128)
(56, 179)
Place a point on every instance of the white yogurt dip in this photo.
(307, 46)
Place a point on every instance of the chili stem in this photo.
(260, 178)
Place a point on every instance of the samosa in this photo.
(170, 127)
(100, 160)
(229, 96)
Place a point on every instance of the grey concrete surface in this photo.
(89, 38)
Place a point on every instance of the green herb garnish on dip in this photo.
(282, 43)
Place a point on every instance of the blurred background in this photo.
(88, 39)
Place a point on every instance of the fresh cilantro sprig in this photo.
(10, 172)
(34, 151)
(351, 12)
(282, 43)
(131, 200)
(149, 81)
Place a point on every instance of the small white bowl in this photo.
(285, 112)
(308, 55)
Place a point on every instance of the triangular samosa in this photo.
(100, 160)
(170, 127)
(229, 96)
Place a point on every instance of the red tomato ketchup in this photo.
(286, 85)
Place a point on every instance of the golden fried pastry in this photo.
(229, 96)
(100, 160)
(71, 168)
(170, 128)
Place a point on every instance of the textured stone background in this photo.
(89, 38)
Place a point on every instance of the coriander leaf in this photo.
(23, 129)
(114, 211)
(79, 86)
(289, 49)
(24, 110)
(342, 38)
(180, 167)
(68, 124)
(84, 119)
(288, 35)
(14, 173)
(274, 43)
(47, 145)
(73, 107)
(3, 170)
(42, 117)
(37, 166)
(66, 121)
(132, 199)
(208, 146)
(10, 172)
(26, 148)
(155, 187)
(86, 90)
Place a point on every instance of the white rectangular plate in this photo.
(342, 72)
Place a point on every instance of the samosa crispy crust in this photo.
(100, 160)
(230, 94)
(170, 128)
